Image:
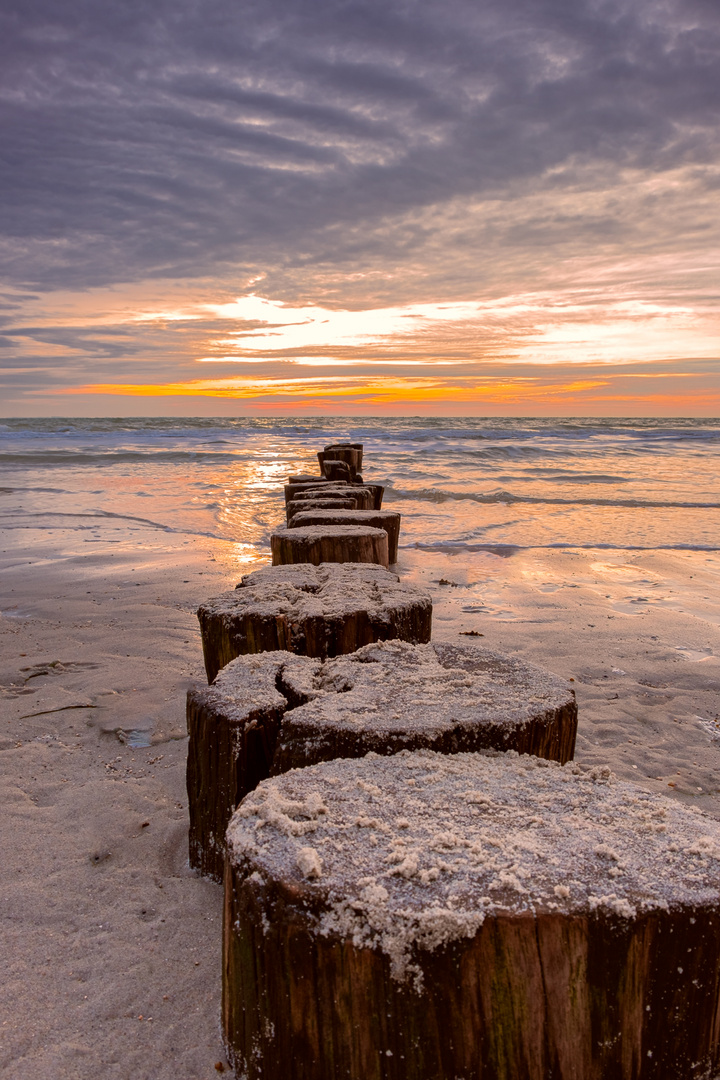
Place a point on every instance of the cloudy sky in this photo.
(227, 207)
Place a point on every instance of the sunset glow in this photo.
(425, 229)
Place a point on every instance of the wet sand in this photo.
(113, 943)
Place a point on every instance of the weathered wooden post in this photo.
(347, 452)
(378, 519)
(330, 543)
(267, 714)
(318, 611)
(429, 916)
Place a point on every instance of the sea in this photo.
(472, 491)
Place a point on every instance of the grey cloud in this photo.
(185, 138)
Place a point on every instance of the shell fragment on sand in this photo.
(378, 519)
(330, 543)
(470, 915)
(320, 611)
(269, 713)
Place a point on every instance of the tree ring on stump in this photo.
(320, 611)
(426, 916)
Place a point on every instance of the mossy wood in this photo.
(330, 543)
(378, 519)
(341, 961)
(318, 611)
(530, 999)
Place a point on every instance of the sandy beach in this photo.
(112, 943)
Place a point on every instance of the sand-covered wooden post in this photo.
(378, 519)
(325, 610)
(394, 696)
(268, 714)
(330, 543)
(422, 917)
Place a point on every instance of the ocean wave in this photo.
(439, 495)
(453, 547)
(68, 458)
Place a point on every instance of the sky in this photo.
(320, 207)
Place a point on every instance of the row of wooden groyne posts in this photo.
(420, 883)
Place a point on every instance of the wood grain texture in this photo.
(334, 469)
(230, 750)
(351, 455)
(528, 998)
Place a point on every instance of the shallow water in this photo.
(463, 485)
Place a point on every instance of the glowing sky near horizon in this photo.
(308, 205)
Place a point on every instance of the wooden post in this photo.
(303, 506)
(378, 519)
(423, 917)
(377, 491)
(330, 543)
(451, 698)
(337, 470)
(268, 714)
(342, 452)
(363, 496)
(232, 728)
(321, 611)
(292, 490)
(344, 446)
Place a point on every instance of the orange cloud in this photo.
(380, 391)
